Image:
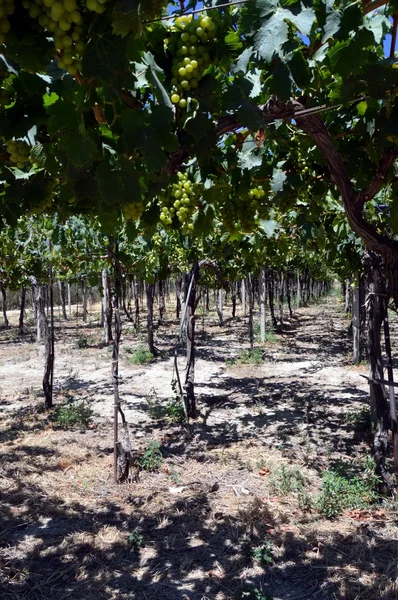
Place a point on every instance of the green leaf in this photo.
(79, 149)
(361, 108)
(332, 24)
(271, 35)
(62, 114)
(281, 83)
(232, 40)
(251, 157)
(243, 61)
(299, 69)
(118, 184)
(255, 78)
(104, 56)
(278, 180)
(49, 99)
(269, 227)
(18, 174)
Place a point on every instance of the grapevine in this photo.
(179, 202)
(190, 46)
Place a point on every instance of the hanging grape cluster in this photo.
(133, 211)
(5, 98)
(19, 152)
(64, 21)
(47, 198)
(190, 46)
(7, 8)
(179, 202)
(240, 213)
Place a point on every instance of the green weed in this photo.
(247, 357)
(359, 420)
(140, 356)
(269, 335)
(135, 541)
(152, 458)
(340, 492)
(173, 410)
(284, 481)
(253, 593)
(82, 341)
(73, 415)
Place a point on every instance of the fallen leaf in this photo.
(264, 472)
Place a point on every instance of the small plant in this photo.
(82, 342)
(285, 481)
(269, 335)
(263, 554)
(135, 541)
(359, 420)
(73, 415)
(152, 458)
(140, 356)
(156, 409)
(253, 593)
(175, 409)
(247, 357)
(175, 476)
(340, 492)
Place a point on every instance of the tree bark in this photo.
(356, 323)
(393, 406)
(62, 295)
(4, 304)
(263, 297)
(288, 294)
(250, 294)
(48, 334)
(106, 309)
(190, 320)
(84, 301)
(22, 310)
(233, 299)
(162, 302)
(219, 306)
(270, 285)
(150, 291)
(378, 398)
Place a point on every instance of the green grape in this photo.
(133, 211)
(189, 60)
(19, 152)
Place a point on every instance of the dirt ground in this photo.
(220, 516)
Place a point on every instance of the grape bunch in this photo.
(64, 21)
(19, 152)
(6, 8)
(179, 202)
(133, 211)
(190, 46)
(5, 98)
(47, 199)
(239, 213)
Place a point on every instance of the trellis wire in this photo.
(199, 10)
